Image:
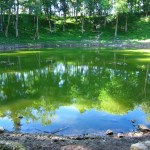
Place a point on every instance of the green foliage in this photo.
(73, 32)
(63, 19)
(120, 6)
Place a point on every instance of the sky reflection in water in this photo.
(86, 91)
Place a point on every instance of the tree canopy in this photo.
(59, 10)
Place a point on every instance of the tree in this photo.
(119, 7)
(8, 6)
(64, 8)
(1, 16)
(47, 5)
(146, 7)
(17, 16)
(35, 8)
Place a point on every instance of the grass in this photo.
(138, 29)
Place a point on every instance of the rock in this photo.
(75, 147)
(9, 145)
(138, 134)
(2, 130)
(138, 146)
(143, 128)
(147, 143)
(130, 134)
(109, 132)
(120, 135)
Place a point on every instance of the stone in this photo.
(147, 143)
(138, 146)
(9, 145)
(120, 135)
(2, 130)
(75, 147)
(109, 132)
(138, 134)
(130, 134)
(143, 128)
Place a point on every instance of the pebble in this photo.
(147, 143)
(120, 135)
(55, 140)
(109, 132)
(138, 146)
(143, 128)
(130, 134)
(138, 134)
(2, 130)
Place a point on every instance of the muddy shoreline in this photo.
(139, 45)
(83, 142)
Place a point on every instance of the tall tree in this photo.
(146, 7)
(1, 17)
(119, 7)
(8, 6)
(47, 5)
(17, 17)
(35, 8)
(64, 8)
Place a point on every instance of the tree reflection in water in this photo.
(39, 83)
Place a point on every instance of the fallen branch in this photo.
(58, 130)
(55, 131)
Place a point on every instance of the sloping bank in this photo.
(138, 45)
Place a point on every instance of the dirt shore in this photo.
(144, 44)
(86, 142)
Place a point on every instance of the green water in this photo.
(86, 90)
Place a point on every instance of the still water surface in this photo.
(80, 90)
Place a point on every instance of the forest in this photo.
(36, 18)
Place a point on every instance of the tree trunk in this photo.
(17, 16)
(64, 22)
(82, 22)
(34, 21)
(50, 26)
(6, 31)
(1, 19)
(49, 17)
(138, 5)
(55, 26)
(116, 28)
(126, 24)
(105, 21)
(76, 16)
(37, 28)
(54, 21)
